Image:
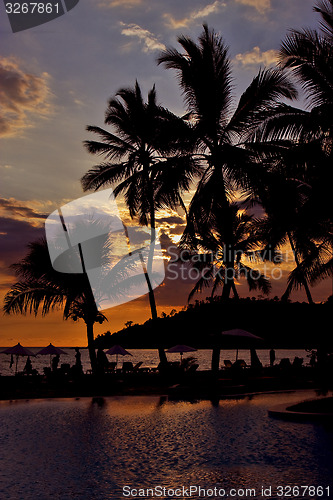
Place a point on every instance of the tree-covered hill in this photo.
(280, 324)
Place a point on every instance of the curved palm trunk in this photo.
(153, 309)
(304, 282)
(234, 289)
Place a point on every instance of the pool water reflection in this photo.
(91, 449)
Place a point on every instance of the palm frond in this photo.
(31, 296)
(106, 174)
(204, 74)
(260, 100)
(309, 55)
(325, 8)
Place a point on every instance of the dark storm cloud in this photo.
(173, 219)
(14, 238)
(177, 230)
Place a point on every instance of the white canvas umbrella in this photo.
(181, 348)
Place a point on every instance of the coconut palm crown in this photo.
(142, 159)
(205, 78)
(42, 289)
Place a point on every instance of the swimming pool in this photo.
(92, 449)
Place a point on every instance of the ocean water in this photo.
(114, 447)
(149, 358)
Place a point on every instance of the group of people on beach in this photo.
(77, 367)
(103, 362)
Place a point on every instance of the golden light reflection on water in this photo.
(92, 447)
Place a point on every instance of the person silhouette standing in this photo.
(28, 366)
(78, 363)
(55, 362)
(271, 357)
(102, 361)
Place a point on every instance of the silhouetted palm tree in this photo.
(142, 160)
(284, 223)
(307, 53)
(210, 260)
(303, 144)
(208, 255)
(204, 74)
(42, 289)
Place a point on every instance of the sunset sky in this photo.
(56, 78)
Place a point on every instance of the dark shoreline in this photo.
(199, 385)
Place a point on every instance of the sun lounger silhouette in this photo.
(241, 363)
(129, 368)
(111, 368)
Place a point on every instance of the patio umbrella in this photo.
(51, 350)
(241, 337)
(117, 349)
(18, 350)
(181, 349)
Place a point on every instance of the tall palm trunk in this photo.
(228, 261)
(234, 290)
(153, 310)
(151, 295)
(89, 322)
(91, 345)
(304, 282)
(216, 358)
(228, 251)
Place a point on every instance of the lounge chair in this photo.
(146, 369)
(136, 367)
(285, 365)
(65, 368)
(127, 367)
(192, 368)
(241, 363)
(111, 368)
(297, 363)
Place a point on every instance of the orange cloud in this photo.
(256, 56)
(194, 15)
(261, 6)
(22, 95)
(148, 39)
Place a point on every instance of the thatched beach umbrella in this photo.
(116, 350)
(181, 348)
(18, 350)
(241, 338)
(52, 351)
